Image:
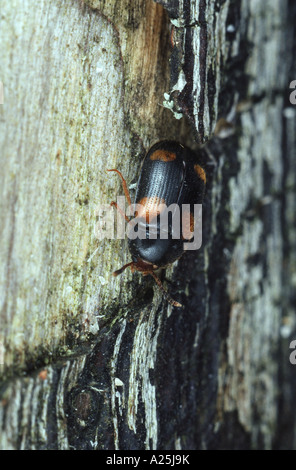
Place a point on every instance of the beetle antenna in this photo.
(119, 271)
(169, 299)
(124, 185)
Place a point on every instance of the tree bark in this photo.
(96, 362)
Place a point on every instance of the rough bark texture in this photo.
(95, 362)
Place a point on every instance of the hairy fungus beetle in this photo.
(170, 179)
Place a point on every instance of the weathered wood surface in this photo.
(102, 363)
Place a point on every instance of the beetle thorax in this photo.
(143, 266)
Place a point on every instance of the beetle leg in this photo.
(125, 188)
(119, 271)
(120, 211)
(169, 299)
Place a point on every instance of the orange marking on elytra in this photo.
(163, 155)
(200, 172)
(151, 207)
(187, 226)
